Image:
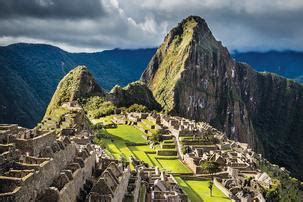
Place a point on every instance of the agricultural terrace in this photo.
(198, 190)
(124, 141)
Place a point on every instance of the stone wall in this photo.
(191, 164)
(162, 152)
(41, 178)
(122, 187)
(222, 188)
(71, 190)
(34, 145)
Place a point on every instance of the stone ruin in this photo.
(41, 166)
(38, 165)
(198, 142)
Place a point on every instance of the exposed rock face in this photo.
(134, 93)
(78, 83)
(194, 76)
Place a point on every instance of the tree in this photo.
(137, 108)
(272, 195)
(210, 166)
(156, 137)
(210, 186)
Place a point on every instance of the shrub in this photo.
(156, 137)
(137, 108)
(97, 107)
(210, 166)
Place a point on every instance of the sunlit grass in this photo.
(197, 190)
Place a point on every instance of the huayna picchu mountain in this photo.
(193, 75)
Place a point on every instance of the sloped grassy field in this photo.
(125, 141)
(198, 190)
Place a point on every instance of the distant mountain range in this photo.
(286, 63)
(29, 73)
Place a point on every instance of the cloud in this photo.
(71, 9)
(92, 25)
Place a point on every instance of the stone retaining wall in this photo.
(71, 190)
(34, 145)
(41, 178)
(167, 152)
(225, 191)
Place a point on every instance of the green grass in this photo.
(123, 135)
(197, 190)
(139, 152)
(192, 195)
(146, 124)
(174, 165)
(154, 160)
(112, 148)
(127, 133)
(105, 120)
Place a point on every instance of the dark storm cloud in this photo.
(79, 25)
(51, 8)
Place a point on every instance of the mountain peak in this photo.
(76, 84)
(192, 75)
(199, 22)
(175, 53)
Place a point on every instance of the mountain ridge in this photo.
(40, 69)
(260, 109)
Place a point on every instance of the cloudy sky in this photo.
(94, 25)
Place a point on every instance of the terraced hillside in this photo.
(125, 141)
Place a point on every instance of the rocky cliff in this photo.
(134, 93)
(193, 75)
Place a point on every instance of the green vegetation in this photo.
(284, 187)
(272, 193)
(197, 190)
(128, 134)
(73, 87)
(125, 141)
(157, 137)
(66, 89)
(171, 63)
(107, 120)
(137, 108)
(140, 152)
(173, 165)
(210, 166)
(96, 107)
(147, 125)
